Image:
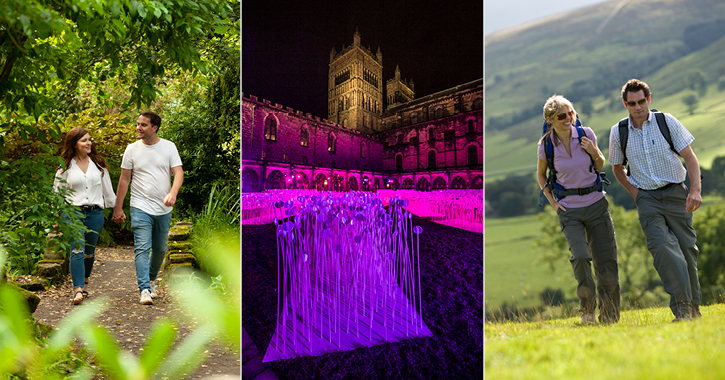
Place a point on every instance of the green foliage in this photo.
(710, 226)
(204, 125)
(162, 355)
(220, 215)
(697, 81)
(30, 210)
(48, 49)
(512, 196)
(691, 99)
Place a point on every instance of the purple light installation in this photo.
(349, 274)
(456, 208)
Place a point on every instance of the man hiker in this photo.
(651, 142)
(148, 165)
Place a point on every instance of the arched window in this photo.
(304, 137)
(363, 148)
(471, 128)
(478, 103)
(270, 128)
(399, 162)
(331, 142)
(432, 159)
(399, 138)
(431, 134)
(439, 113)
(472, 155)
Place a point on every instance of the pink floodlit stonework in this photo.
(349, 274)
(456, 208)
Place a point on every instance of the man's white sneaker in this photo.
(146, 298)
(153, 290)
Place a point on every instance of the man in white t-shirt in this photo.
(150, 162)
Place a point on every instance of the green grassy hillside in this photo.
(512, 273)
(643, 345)
(587, 55)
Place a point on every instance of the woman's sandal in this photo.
(77, 300)
(85, 294)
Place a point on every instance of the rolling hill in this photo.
(587, 55)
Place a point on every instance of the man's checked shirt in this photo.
(651, 161)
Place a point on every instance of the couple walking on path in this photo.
(147, 166)
(652, 141)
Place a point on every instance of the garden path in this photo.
(114, 277)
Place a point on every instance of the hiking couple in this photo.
(650, 142)
(150, 161)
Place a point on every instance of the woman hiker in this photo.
(575, 190)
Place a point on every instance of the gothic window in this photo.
(264, 155)
(304, 137)
(472, 155)
(399, 162)
(439, 113)
(399, 138)
(471, 128)
(431, 134)
(431, 159)
(331, 142)
(362, 149)
(270, 128)
(342, 77)
(478, 103)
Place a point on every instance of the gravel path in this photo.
(114, 276)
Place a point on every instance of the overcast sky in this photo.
(501, 14)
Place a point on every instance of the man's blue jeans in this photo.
(83, 251)
(150, 232)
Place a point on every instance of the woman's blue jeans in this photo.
(83, 252)
(150, 232)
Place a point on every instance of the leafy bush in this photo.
(204, 125)
(24, 358)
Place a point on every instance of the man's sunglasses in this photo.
(563, 116)
(640, 102)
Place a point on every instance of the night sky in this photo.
(286, 45)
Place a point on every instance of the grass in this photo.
(643, 345)
(512, 273)
(452, 278)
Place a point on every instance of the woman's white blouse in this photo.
(91, 188)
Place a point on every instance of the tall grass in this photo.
(643, 345)
(217, 224)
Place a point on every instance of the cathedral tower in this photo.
(399, 91)
(355, 88)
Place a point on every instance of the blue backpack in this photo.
(557, 190)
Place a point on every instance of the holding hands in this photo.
(118, 216)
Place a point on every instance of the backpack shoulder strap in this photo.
(665, 129)
(623, 136)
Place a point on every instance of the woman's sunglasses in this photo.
(563, 116)
(640, 102)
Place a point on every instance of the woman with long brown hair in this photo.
(86, 173)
